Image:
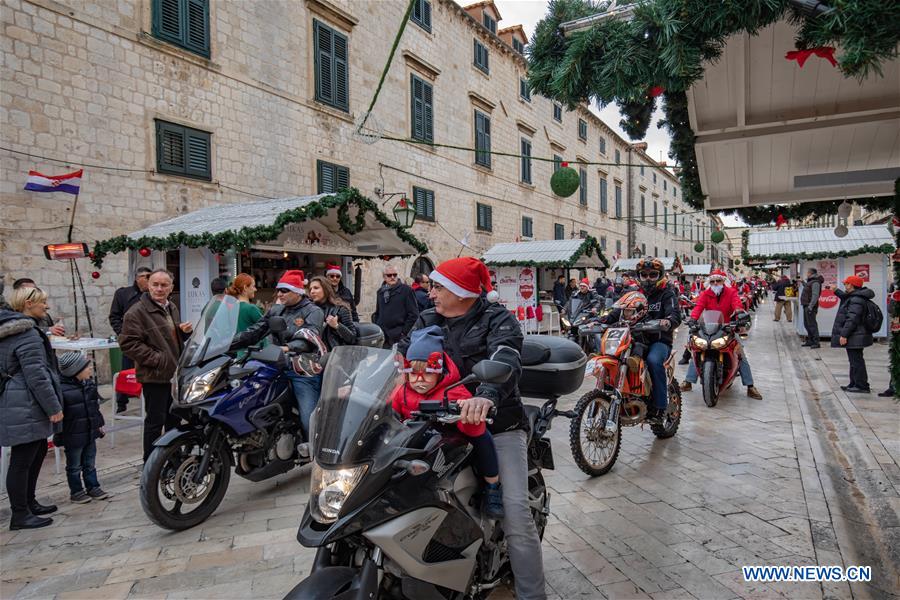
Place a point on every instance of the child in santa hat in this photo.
(429, 371)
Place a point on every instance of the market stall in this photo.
(264, 238)
(865, 251)
(672, 264)
(522, 269)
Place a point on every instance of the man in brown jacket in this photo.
(153, 337)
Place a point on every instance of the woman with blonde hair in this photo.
(30, 403)
(243, 287)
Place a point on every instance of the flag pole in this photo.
(87, 309)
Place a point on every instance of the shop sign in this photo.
(828, 299)
(861, 271)
(304, 237)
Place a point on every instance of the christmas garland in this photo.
(792, 258)
(246, 237)
(767, 215)
(666, 44)
(588, 247)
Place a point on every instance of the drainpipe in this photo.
(629, 194)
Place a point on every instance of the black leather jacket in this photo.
(303, 315)
(663, 304)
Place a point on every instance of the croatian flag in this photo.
(68, 183)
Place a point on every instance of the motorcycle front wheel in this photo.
(170, 497)
(594, 448)
(710, 385)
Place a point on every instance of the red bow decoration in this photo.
(826, 52)
(780, 221)
(656, 90)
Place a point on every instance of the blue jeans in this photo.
(743, 369)
(306, 391)
(658, 354)
(80, 463)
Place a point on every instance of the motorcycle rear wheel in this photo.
(710, 385)
(591, 413)
(167, 474)
(669, 427)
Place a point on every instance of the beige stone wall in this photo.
(83, 81)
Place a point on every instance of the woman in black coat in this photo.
(339, 329)
(30, 403)
(850, 332)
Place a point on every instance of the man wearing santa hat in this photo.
(476, 329)
(335, 275)
(303, 318)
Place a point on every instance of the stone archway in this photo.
(421, 265)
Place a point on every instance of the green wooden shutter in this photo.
(418, 110)
(167, 21)
(325, 176)
(428, 104)
(170, 148)
(197, 22)
(198, 154)
(342, 178)
(582, 188)
(341, 72)
(488, 211)
(603, 184)
(324, 63)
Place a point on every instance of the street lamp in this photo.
(404, 214)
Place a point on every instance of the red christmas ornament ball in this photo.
(145, 252)
(90, 255)
(96, 274)
(895, 296)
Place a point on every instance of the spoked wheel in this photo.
(539, 501)
(669, 426)
(710, 388)
(169, 495)
(594, 447)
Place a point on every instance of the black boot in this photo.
(685, 358)
(39, 509)
(29, 521)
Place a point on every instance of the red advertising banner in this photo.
(828, 299)
(861, 271)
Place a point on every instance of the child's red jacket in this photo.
(404, 399)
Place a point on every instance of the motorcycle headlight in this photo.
(698, 342)
(719, 343)
(330, 488)
(200, 386)
(566, 322)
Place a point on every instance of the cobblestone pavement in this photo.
(809, 475)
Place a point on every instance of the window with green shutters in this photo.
(618, 247)
(642, 170)
(665, 218)
(604, 208)
(184, 23)
(489, 22)
(582, 130)
(482, 139)
(559, 231)
(603, 145)
(583, 187)
(483, 217)
(332, 72)
(582, 233)
(423, 201)
(526, 161)
(618, 192)
(481, 57)
(527, 227)
(331, 178)
(422, 110)
(603, 242)
(524, 90)
(421, 14)
(618, 157)
(655, 215)
(183, 151)
(518, 46)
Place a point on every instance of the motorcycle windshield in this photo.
(354, 418)
(712, 321)
(214, 331)
(574, 307)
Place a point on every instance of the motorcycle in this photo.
(620, 398)
(394, 506)
(686, 303)
(715, 351)
(582, 322)
(238, 412)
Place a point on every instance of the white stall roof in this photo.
(630, 264)
(819, 240)
(547, 252)
(702, 269)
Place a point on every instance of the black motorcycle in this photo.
(394, 506)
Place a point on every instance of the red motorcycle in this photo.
(715, 348)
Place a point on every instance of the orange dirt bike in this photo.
(620, 399)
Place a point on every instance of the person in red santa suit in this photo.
(726, 300)
(476, 329)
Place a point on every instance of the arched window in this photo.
(421, 265)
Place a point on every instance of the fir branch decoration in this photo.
(766, 215)
(246, 237)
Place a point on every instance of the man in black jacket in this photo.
(123, 299)
(335, 276)
(396, 309)
(475, 330)
(809, 300)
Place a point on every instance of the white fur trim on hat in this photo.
(454, 288)
(333, 270)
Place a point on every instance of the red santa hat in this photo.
(585, 281)
(293, 281)
(463, 277)
(718, 273)
(333, 270)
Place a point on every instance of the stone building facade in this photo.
(89, 83)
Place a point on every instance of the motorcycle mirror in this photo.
(277, 324)
(492, 371)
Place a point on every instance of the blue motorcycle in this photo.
(237, 411)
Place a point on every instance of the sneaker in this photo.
(80, 497)
(121, 407)
(888, 393)
(654, 416)
(814, 346)
(752, 392)
(97, 494)
(492, 505)
(805, 345)
(685, 386)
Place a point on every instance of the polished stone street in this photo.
(807, 476)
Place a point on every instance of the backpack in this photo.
(873, 318)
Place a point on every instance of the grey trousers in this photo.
(518, 525)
